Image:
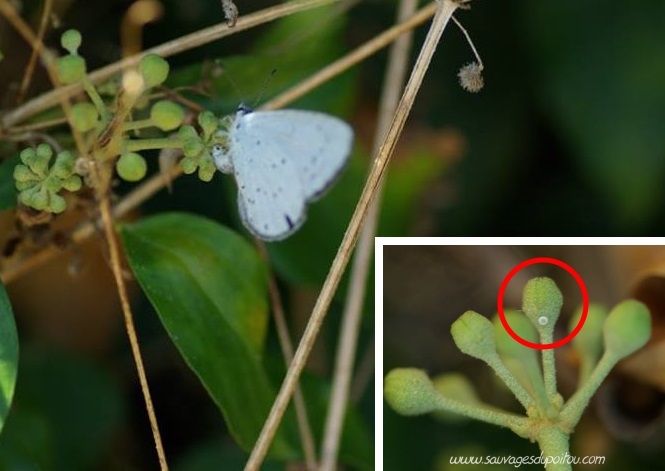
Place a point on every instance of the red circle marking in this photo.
(585, 303)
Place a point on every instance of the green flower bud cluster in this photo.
(39, 184)
(196, 148)
(602, 343)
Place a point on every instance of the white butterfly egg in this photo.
(542, 320)
(281, 160)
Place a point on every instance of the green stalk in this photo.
(549, 367)
(555, 445)
(96, 99)
(136, 145)
(573, 409)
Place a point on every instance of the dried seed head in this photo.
(471, 78)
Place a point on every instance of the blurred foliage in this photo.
(66, 410)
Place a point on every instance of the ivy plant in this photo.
(548, 419)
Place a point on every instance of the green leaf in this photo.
(7, 188)
(8, 355)
(208, 286)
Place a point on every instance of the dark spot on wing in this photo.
(289, 221)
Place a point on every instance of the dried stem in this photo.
(116, 268)
(352, 58)
(468, 40)
(8, 11)
(366, 367)
(346, 349)
(443, 13)
(30, 68)
(167, 49)
(304, 428)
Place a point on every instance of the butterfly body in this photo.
(281, 161)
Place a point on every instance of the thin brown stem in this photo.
(8, 11)
(364, 375)
(167, 49)
(116, 268)
(443, 13)
(346, 349)
(304, 427)
(32, 62)
(354, 57)
(468, 40)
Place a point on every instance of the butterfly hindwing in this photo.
(270, 198)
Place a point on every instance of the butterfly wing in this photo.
(281, 160)
(271, 200)
(318, 144)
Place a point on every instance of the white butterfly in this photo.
(281, 160)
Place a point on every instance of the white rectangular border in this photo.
(379, 242)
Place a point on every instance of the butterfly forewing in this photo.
(318, 144)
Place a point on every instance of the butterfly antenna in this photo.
(228, 77)
(264, 87)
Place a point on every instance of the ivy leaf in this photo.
(209, 288)
(8, 355)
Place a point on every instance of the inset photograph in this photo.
(541, 356)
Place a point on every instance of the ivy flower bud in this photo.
(167, 115)
(209, 124)
(131, 167)
(542, 298)
(71, 41)
(409, 391)
(627, 328)
(474, 335)
(70, 68)
(154, 70)
(84, 116)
